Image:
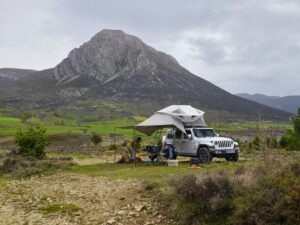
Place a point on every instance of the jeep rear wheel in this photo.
(204, 155)
(233, 158)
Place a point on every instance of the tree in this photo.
(32, 141)
(283, 143)
(296, 123)
(96, 139)
(256, 143)
(293, 136)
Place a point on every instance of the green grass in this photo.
(227, 127)
(3, 182)
(61, 208)
(8, 121)
(71, 155)
(10, 125)
(3, 151)
(157, 173)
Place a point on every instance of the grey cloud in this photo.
(242, 46)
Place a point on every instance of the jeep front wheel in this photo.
(204, 155)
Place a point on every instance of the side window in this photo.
(170, 135)
(178, 134)
(185, 135)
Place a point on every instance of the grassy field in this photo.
(154, 174)
(9, 125)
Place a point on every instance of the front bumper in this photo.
(222, 153)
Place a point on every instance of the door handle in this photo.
(183, 142)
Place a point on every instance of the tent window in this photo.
(178, 134)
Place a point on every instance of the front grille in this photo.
(224, 144)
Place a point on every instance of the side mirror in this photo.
(189, 136)
(218, 135)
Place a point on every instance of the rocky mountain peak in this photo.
(111, 54)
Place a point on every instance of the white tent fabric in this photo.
(175, 116)
(157, 121)
(187, 114)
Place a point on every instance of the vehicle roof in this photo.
(204, 128)
(200, 127)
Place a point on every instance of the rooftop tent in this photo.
(187, 114)
(176, 116)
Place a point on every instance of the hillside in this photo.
(286, 103)
(116, 67)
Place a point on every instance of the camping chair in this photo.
(153, 154)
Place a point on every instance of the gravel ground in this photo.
(67, 198)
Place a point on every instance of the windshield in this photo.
(204, 133)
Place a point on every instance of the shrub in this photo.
(273, 199)
(125, 143)
(96, 139)
(112, 147)
(271, 142)
(257, 143)
(205, 200)
(19, 166)
(283, 143)
(266, 195)
(32, 141)
(25, 116)
(292, 137)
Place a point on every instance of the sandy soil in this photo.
(100, 201)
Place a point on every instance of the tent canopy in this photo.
(174, 116)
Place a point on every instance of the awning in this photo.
(158, 121)
(174, 116)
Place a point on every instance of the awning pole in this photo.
(173, 138)
(134, 148)
(115, 149)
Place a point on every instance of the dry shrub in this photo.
(204, 200)
(19, 166)
(268, 194)
(274, 196)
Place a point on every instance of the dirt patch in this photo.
(67, 198)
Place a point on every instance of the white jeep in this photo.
(202, 143)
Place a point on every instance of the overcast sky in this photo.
(242, 46)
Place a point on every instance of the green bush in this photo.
(96, 139)
(292, 138)
(112, 147)
(271, 142)
(283, 143)
(257, 143)
(25, 116)
(32, 141)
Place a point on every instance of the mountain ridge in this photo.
(115, 66)
(289, 103)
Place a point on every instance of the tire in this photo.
(233, 158)
(204, 155)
